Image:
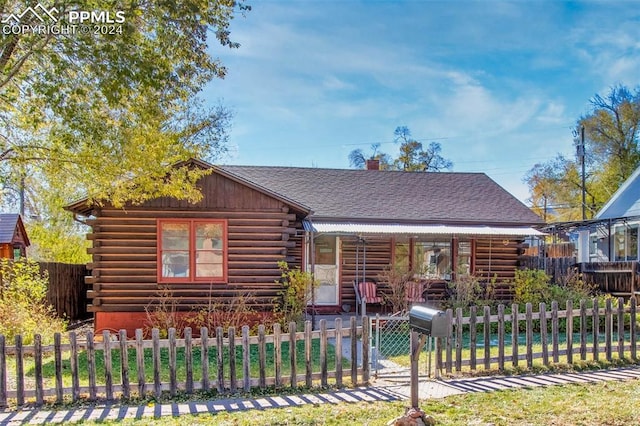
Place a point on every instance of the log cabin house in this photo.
(341, 224)
(13, 236)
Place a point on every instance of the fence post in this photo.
(20, 371)
(338, 352)
(204, 357)
(142, 383)
(555, 332)
(459, 335)
(246, 368)
(57, 348)
(262, 357)
(544, 341)
(620, 328)
(277, 353)
(108, 367)
(365, 349)
(37, 355)
(472, 338)
(515, 330)
(157, 384)
(569, 332)
(308, 339)
(487, 337)
(124, 363)
(583, 329)
(529, 334)
(323, 354)
(632, 330)
(220, 354)
(188, 360)
(73, 366)
(501, 337)
(293, 375)
(233, 378)
(91, 366)
(596, 329)
(354, 351)
(173, 380)
(608, 328)
(449, 341)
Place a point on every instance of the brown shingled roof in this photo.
(392, 196)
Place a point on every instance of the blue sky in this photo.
(499, 85)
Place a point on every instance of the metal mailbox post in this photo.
(424, 321)
(428, 321)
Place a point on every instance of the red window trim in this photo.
(192, 249)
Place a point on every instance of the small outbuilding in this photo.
(13, 236)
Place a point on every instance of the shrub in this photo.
(397, 284)
(164, 312)
(532, 286)
(23, 306)
(297, 287)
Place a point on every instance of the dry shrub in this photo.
(396, 281)
(164, 312)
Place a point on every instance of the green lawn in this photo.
(608, 403)
(49, 365)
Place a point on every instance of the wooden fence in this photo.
(552, 250)
(576, 333)
(616, 278)
(67, 292)
(103, 368)
(558, 268)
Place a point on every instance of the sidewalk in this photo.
(379, 391)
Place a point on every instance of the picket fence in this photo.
(226, 375)
(609, 332)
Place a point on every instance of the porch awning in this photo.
(377, 228)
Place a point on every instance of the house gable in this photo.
(626, 200)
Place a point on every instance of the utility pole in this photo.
(581, 156)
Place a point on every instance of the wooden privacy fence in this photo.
(67, 292)
(226, 363)
(558, 268)
(576, 333)
(616, 278)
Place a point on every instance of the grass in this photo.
(394, 346)
(605, 403)
(48, 367)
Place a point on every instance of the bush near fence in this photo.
(95, 368)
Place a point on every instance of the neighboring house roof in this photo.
(392, 196)
(626, 200)
(10, 225)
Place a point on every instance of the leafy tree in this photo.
(612, 132)
(611, 155)
(105, 115)
(412, 157)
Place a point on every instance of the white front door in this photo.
(326, 270)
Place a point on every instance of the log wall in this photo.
(378, 257)
(261, 231)
(497, 260)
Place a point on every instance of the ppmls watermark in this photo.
(39, 19)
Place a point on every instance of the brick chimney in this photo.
(373, 164)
